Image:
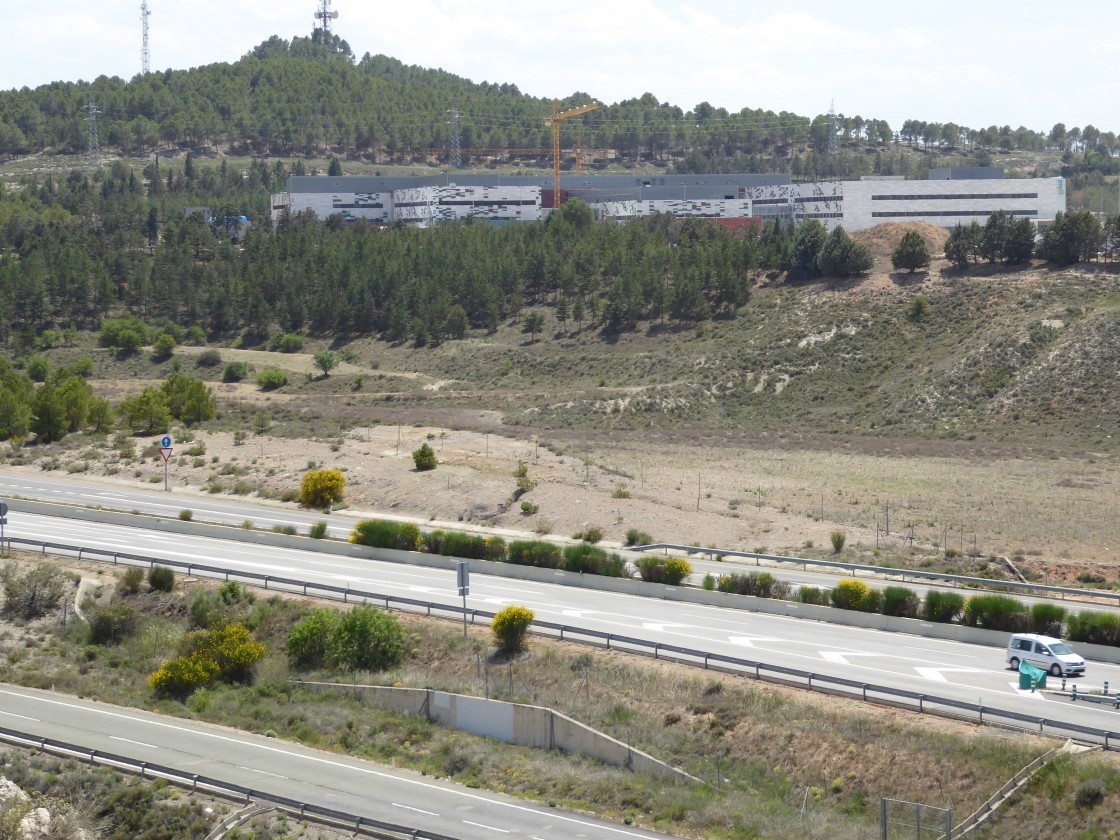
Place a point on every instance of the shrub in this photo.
(636, 537)
(676, 570)
(943, 607)
(458, 544)
(161, 578)
(366, 639)
(39, 368)
(591, 535)
(163, 346)
(755, 584)
(286, 343)
(850, 594)
(1048, 619)
(902, 602)
(588, 559)
(235, 372)
(838, 539)
(227, 653)
(424, 458)
(650, 569)
(181, 677)
(270, 380)
(709, 582)
(318, 530)
(186, 515)
(132, 579)
(320, 488)
(306, 645)
(1090, 792)
(538, 553)
(206, 610)
(112, 624)
(813, 595)
(510, 626)
(1094, 628)
(208, 359)
(381, 533)
(529, 508)
(996, 612)
(32, 593)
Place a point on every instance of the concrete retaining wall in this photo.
(513, 723)
(629, 586)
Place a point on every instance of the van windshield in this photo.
(1059, 649)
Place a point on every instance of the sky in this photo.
(976, 63)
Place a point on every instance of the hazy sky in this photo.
(976, 63)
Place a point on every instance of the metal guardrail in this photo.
(903, 574)
(868, 692)
(227, 790)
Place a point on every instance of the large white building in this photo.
(949, 197)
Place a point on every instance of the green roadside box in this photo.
(1031, 677)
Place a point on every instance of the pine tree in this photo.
(911, 253)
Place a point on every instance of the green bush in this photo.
(709, 582)
(1090, 792)
(424, 458)
(650, 568)
(382, 533)
(1048, 619)
(270, 380)
(366, 639)
(538, 553)
(186, 515)
(636, 537)
(320, 488)
(676, 570)
(113, 624)
(510, 626)
(996, 612)
(813, 595)
(529, 508)
(286, 343)
(670, 571)
(161, 578)
(592, 535)
(943, 607)
(131, 580)
(163, 346)
(235, 372)
(1094, 628)
(851, 594)
(902, 602)
(838, 539)
(208, 359)
(318, 530)
(755, 584)
(469, 546)
(591, 560)
(306, 645)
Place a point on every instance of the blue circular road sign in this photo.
(166, 442)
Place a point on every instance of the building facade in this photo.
(954, 196)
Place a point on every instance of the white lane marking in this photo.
(21, 717)
(262, 772)
(1026, 692)
(133, 720)
(498, 601)
(938, 674)
(487, 827)
(577, 613)
(661, 628)
(130, 741)
(748, 641)
(417, 810)
(841, 657)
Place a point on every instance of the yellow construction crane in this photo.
(554, 121)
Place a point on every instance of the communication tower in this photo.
(325, 15)
(145, 56)
(833, 128)
(94, 146)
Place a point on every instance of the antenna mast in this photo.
(833, 127)
(325, 15)
(456, 150)
(145, 56)
(94, 146)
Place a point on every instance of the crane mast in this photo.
(554, 121)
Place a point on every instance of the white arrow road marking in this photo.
(661, 628)
(938, 674)
(841, 657)
(1026, 692)
(748, 641)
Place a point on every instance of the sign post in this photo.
(165, 450)
(3, 522)
(463, 581)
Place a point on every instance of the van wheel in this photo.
(1055, 670)
(1014, 664)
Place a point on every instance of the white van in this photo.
(1044, 652)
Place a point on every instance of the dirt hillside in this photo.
(882, 239)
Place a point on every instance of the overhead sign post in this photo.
(463, 581)
(3, 522)
(165, 450)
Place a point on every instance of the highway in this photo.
(963, 672)
(287, 769)
(266, 515)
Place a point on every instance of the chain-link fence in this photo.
(902, 820)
